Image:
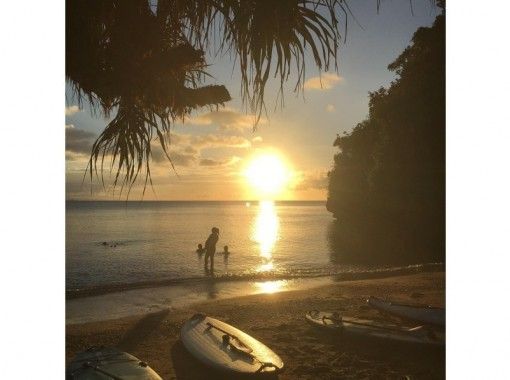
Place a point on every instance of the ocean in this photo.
(114, 243)
(116, 251)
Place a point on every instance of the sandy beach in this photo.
(278, 321)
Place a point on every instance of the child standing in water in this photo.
(226, 253)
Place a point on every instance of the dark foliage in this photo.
(387, 185)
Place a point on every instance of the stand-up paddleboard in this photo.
(422, 314)
(219, 345)
(356, 326)
(107, 364)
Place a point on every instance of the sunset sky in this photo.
(212, 150)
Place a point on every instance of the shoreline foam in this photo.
(352, 275)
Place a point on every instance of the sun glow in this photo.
(268, 174)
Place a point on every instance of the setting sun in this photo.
(268, 174)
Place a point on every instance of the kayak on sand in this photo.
(422, 314)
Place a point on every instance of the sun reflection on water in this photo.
(270, 287)
(265, 233)
(266, 267)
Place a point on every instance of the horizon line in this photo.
(196, 200)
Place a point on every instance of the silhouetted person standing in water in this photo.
(210, 247)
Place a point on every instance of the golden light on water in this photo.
(268, 174)
(266, 267)
(265, 233)
(270, 287)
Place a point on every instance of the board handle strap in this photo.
(248, 349)
(267, 365)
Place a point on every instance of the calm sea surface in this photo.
(110, 243)
(137, 257)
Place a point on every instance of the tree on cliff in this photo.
(387, 185)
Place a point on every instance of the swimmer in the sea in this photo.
(226, 254)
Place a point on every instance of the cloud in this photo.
(223, 162)
(190, 149)
(193, 143)
(227, 120)
(325, 82)
(71, 156)
(210, 162)
(182, 159)
(78, 140)
(234, 160)
(184, 149)
(179, 156)
(71, 110)
(313, 180)
(330, 108)
(219, 141)
(257, 140)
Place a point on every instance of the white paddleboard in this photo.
(222, 346)
(422, 314)
(356, 326)
(107, 364)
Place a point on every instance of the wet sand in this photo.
(278, 321)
